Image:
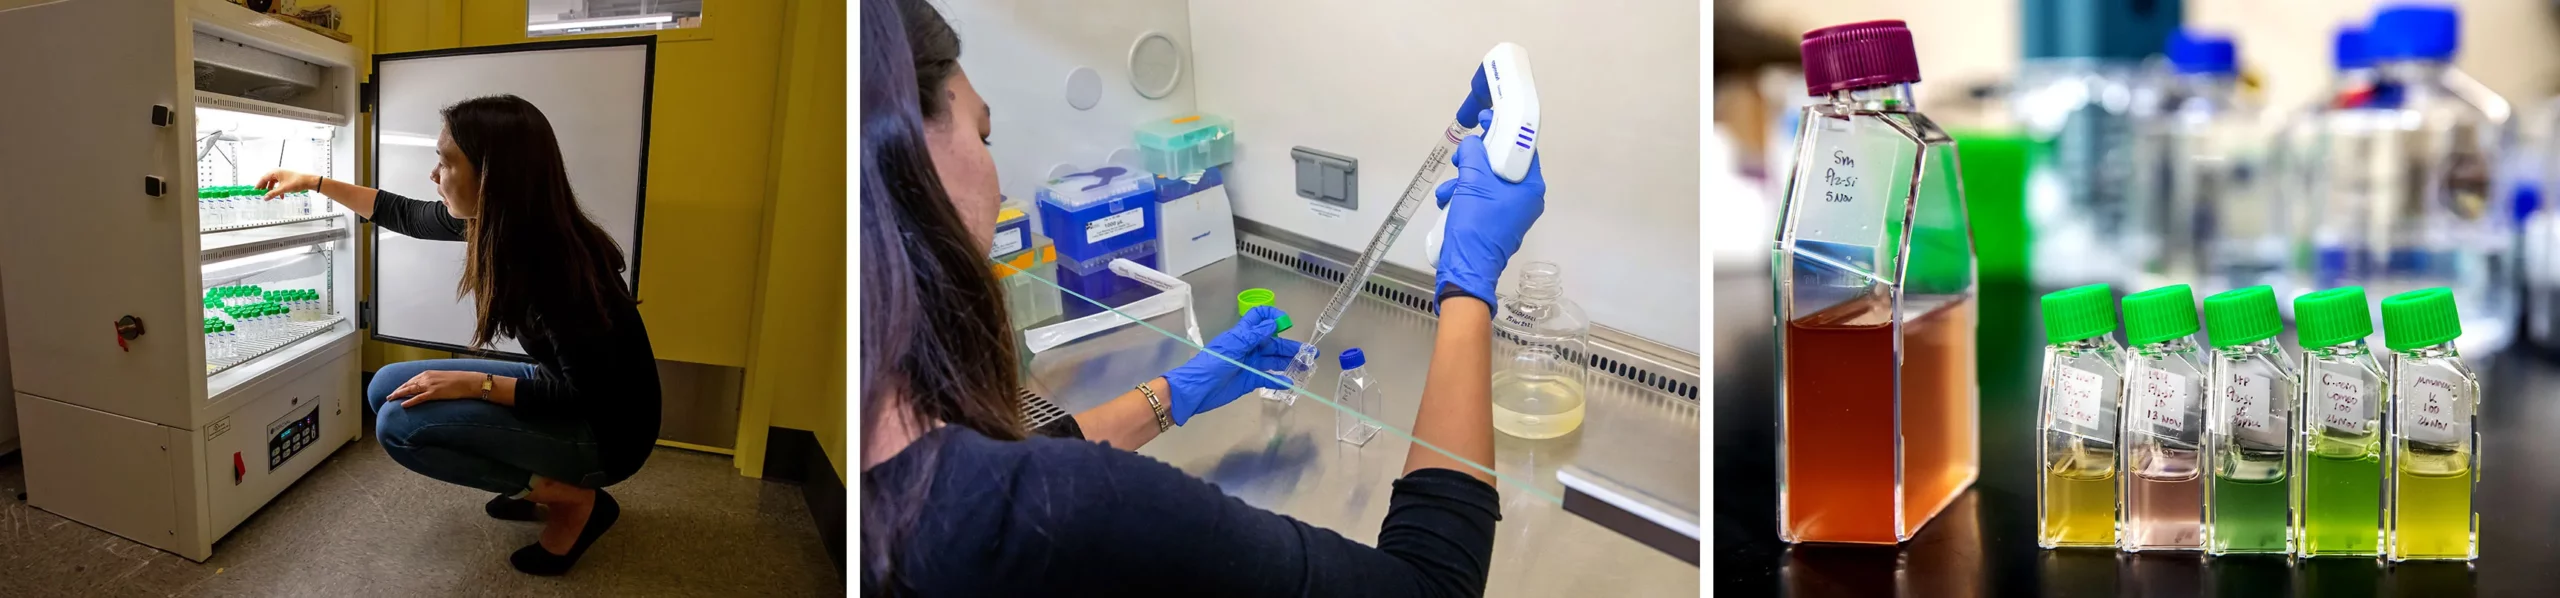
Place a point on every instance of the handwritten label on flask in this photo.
(2341, 401)
(1843, 189)
(2434, 411)
(2163, 396)
(2245, 400)
(2076, 397)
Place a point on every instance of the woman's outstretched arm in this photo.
(357, 198)
(1457, 394)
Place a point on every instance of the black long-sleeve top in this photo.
(608, 380)
(1063, 517)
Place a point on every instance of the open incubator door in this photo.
(595, 92)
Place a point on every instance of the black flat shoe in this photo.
(535, 560)
(512, 509)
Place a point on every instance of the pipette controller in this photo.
(1511, 140)
(1502, 83)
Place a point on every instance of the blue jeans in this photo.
(478, 443)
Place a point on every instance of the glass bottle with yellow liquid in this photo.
(1538, 392)
(2434, 456)
(2080, 402)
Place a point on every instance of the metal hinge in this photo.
(364, 314)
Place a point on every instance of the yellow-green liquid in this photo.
(1536, 407)
(2431, 514)
(2080, 501)
(2342, 498)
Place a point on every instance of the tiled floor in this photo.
(361, 526)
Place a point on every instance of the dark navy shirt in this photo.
(1067, 517)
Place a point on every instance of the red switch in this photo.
(238, 469)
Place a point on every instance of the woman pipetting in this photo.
(959, 499)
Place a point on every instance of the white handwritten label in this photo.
(2434, 411)
(1114, 225)
(1843, 190)
(2341, 401)
(2163, 396)
(2245, 402)
(1008, 241)
(2076, 400)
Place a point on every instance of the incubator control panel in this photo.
(289, 436)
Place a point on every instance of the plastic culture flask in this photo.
(1355, 397)
(2338, 458)
(1878, 410)
(2078, 408)
(2164, 392)
(2251, 402)
(2434, 456)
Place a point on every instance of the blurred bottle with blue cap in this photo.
(2073, 97)
(2204, 211)
(2319, 158)
(2429, 210)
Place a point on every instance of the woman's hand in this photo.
(1488, 218)
(279, 182)
(437, 385)
(1207, 382)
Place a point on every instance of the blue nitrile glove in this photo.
(1207, 382)
(1488, 217)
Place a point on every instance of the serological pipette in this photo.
(1502, 83)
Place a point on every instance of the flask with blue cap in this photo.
(1355, 400)
(2447, 222)
(2208, 205)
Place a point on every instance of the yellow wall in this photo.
(710, 131)
(743, 260)
(796, 363)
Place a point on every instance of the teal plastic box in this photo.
(1181, 147)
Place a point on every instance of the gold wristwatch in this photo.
(488, 384)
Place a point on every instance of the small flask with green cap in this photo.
(2164, 422)
(2434, 457)
(2338, 465)
(2078, 405)
(2248, 505)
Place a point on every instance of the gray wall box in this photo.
(1327, 177)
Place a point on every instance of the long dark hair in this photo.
(560, 265)
(936, 346)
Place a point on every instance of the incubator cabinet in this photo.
(131, 145)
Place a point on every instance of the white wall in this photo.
(1018, 53)
(1618, 137)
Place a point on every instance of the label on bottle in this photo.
(2245, 398)
(2076, 397)
(2341, 401)
(1843, 190)
(2434, 411)
(1114, 225)
(2163, 396)
(1007, 241)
